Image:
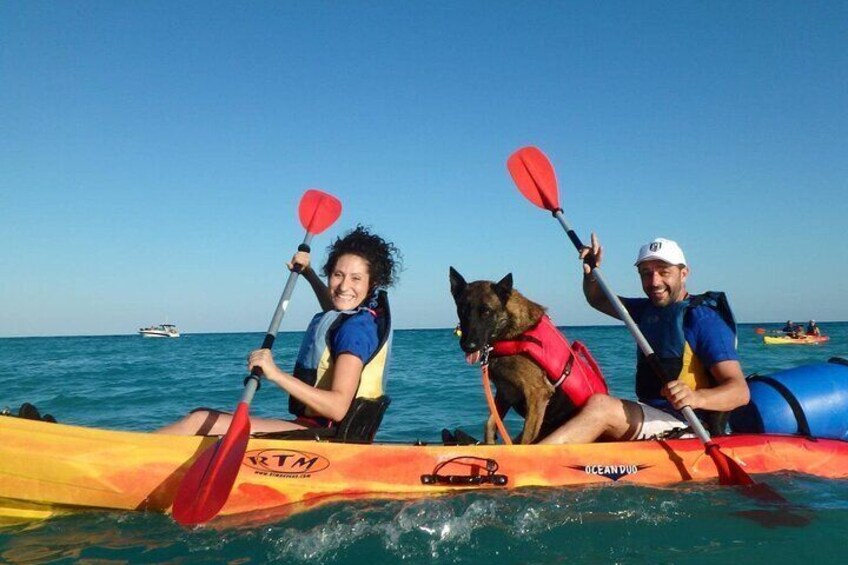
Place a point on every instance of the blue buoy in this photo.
(808, 400)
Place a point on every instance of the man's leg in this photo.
(604, 417)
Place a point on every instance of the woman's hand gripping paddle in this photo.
(207, 484)
(534, 175)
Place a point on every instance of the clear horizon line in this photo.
(446, 328)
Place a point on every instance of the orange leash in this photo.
(490, 400)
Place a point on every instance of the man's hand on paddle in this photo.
(679, 395)
(591, 254)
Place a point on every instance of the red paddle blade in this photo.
(534, 175)
(760, 331)
(731, 474)
(207, 484)
(318, 210)
(729, 471)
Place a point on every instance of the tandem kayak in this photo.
(788, 340)
(48, 469)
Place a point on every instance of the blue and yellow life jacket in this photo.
(663, 328)
(314, 364)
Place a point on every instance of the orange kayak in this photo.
(48, 469)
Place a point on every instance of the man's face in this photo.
(663, 284)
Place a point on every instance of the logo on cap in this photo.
(655, 246)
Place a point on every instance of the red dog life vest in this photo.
(570, 367)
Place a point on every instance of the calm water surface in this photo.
(126, 382)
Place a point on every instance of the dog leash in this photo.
(490, 400)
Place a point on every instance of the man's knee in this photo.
(600, 404)
(620, 419)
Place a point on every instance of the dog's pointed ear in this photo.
(503, 288)
(458, 283)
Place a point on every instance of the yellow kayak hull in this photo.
(787, 340)
(48, 468)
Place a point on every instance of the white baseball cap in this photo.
(661, 249)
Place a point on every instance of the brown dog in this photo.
(490, 312)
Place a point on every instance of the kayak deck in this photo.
(48, 468)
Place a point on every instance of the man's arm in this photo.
(731, 392)
(595, 296)
(591, 255)
(714, 343)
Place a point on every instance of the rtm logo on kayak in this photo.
(611, 472)
(286, 462)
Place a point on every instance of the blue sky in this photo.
(153, 153)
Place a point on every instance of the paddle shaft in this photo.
(252, 381)
(624, 315)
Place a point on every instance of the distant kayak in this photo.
(788, 340)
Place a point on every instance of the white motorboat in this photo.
(162, 330)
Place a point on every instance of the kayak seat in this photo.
(28, 411)
(458, 437)
(362, 421)
(359, 425)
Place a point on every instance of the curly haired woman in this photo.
(343, 354)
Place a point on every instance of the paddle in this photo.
(534, 175)
(763, 331)
(207, 484)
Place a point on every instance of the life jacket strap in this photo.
(566, 371)
(490, 400)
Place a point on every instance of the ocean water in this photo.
(126, 382)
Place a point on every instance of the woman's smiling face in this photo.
(349, 282)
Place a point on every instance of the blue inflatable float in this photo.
(811, 400)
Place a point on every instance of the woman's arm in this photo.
(322, 293)
(333, 403)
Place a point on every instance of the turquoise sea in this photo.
(126, 382)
